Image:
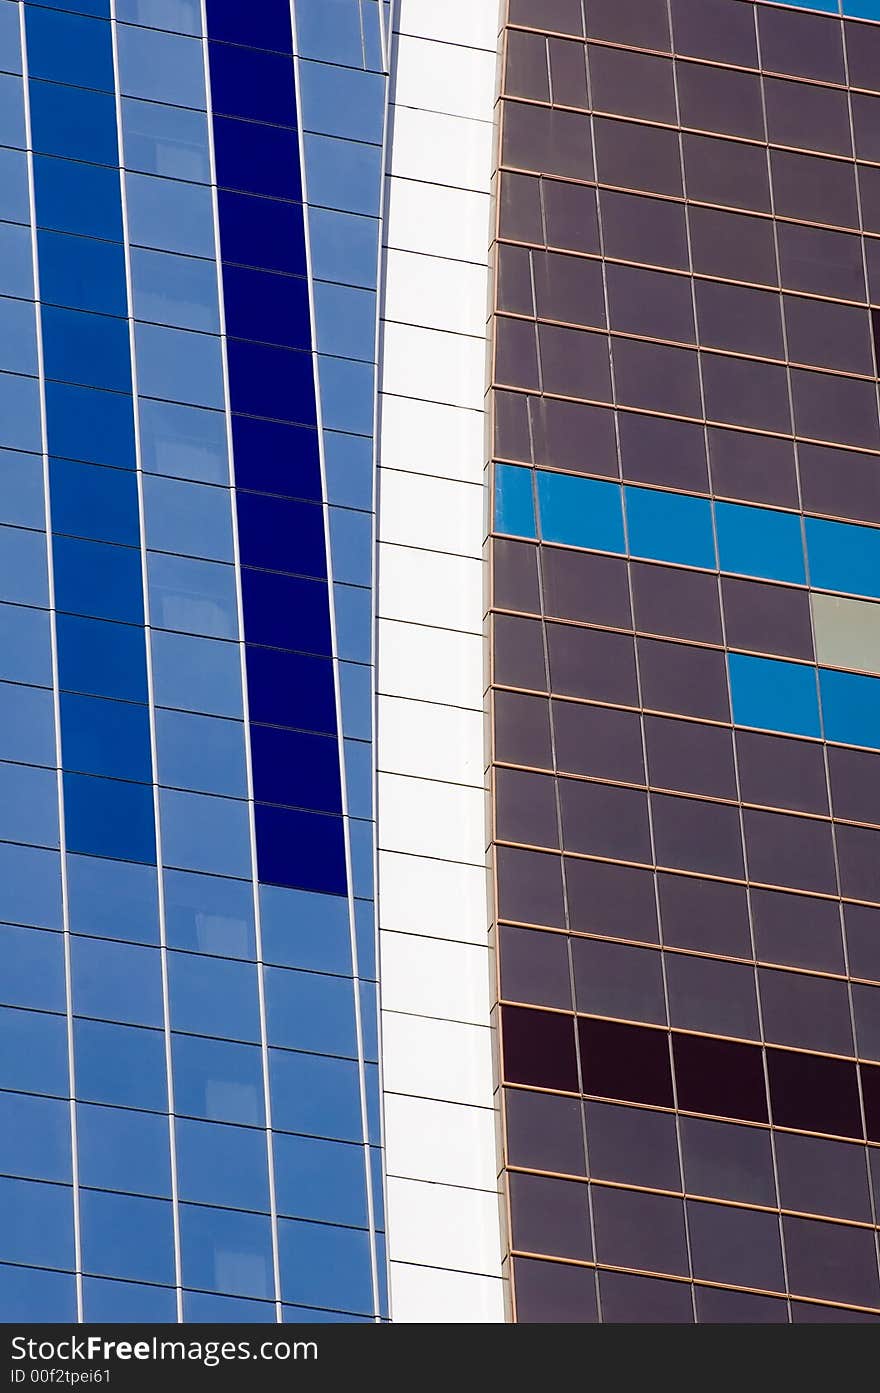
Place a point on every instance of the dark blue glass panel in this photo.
(89, 349)
(302, 850)
(101, 581)
(68, 48)
(266, 25)
(73, 123)
(286, 612)
(274, 382)
(90, 500)
(101, 658)
(90, 425)
(296, 768)
(291, 689)
(268, 307)
(257, 159)
(262, 232)
(279, 534)
(82, 273)
(105, 817)
(120, 1064)
(274, 457)
(253, 83)
(74, 197)
(106, 737)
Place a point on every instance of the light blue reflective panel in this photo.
(169, 215)
(515, 501)
(209, 914)
(76, 197)
(365, 932)
(73, 123)
(27, 725)
(25, 645)
(113, 899)
(850, 707)
(317, 1179)
(200, 833)
(34, 1293)
(108, 817)
(16, 261)
(343, 174)
(127, 1236)
(181, 16)
(359, 778)
(581, 512)
(176, 290)
(119, 1149)
(82, 273)
(214, 996)
(760, 542)
(322, 1265)
(351, 544)
(348, 467)
(179, 365)
(201, 753)
(18, 336)
(98, 580)
(126, 1303)
(91, 350)
(213, 1309)
(14, 197)
(28, 805)
(67, 47)
(111, 738)
(33, 968)
(34, 1137)
(302, 929)
(165, 140)
(161, 67)
(362, 840)
(354, 633)
(30, 886)
(773, 695)
(192, 519)
(374, 1100)
(36, 1223)
(222, 1165)
(197, 674)
(196, 597)
(372, 33)
(330, 30)
(357, 700)
(377, 1183)
(11, 109)
(184, 442)
(120, 1064)
(218, 1080)
(33, 1052)
(347, 394)
(311, 1011)
(345, 320)
(89, 425)
(116, 981)
(342, 101)
(24, 576)
(22, 501)
(19, 412)
(315, 1094)
(226, 1251)
(369, 1020)
(10, 38)
(344, 246)
(843, 556)
(670, 527)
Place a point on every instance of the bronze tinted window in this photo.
(636, 228)
(804, 45)
(780, 773)
(515, 576)
(574, 363)
(578, 585)
(628, 1062)
(550, 1216)
(785, 850)
(642, 23)
(573, 435)
(717, 1306)
(722, 29)
(767, 618)
(568, 288)
(859, 851)
(744, 393)
(707, 915)
(614, 979)
(837, 409)
(727, 1162)
(757, 468)
(568, 73)
(651, 303)
(815, 189)
(632, 1145)
(725, 172)
(863, 940)
(637, 157)
(828, 335)
(564, 16)
(822, 1177)
(694, 836)
(628, 1299)
(544, 1132)
(720, 99)
(681, 604)
(632, 84)
(514, 286)
(547, 141)
(654, 377)
(686, 681)
(855, 783)
(640, 1230)
(866, 1005)
(743, 320)
(797, 931)
(589, 663)
(656, 450)
(527, 73)
(821, 261)
(570, 216)
(709, 995)
(810, 118)
(516, 353)
(810, 1013)
(519, 208)
(525, 808)
(553, 1291)
(534, 967)
(732, 245)
(840, 482)
(720, 1077)
(539, 1048)
(511, 422)
(869, 189)
(863, 55)
(613, 900)
(833, 1261)
(518, 652)
(692, 758)
(599, 741)
(529, 886)
(812, 1093)
(601, 820)
(522, 729)
(740, 1246)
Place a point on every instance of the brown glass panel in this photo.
(727, 1162)
(530, 886)
(767, 618)
(564, 16)
(708, 995)
(628, 1062)
(743, 393)
(601, 820)
(780, 773)
(863, 54)
(838, 409)
(642, 23)
(823, 1177)
(870, 1075)
(574, 363)
(568, 288)
(518, 652)
(534, 967)
(743, 320)
(719, 1077)
(570, 216)
(656, 450)
(578, 585)
(632, 1145)
(828, 335)
(511, 426)
(726, 172)
(526, 72)
(654, 377)
(859, 851)
(680, 604)
(516, 353)
(544, 1132)
(740, 1246)
(720, 29)
(841, 483)
(539, 1048)
(809, 1013)
(720, 99)
(756, 468)
(833, 1261)
(814, 189)
(694, 836)
(717, 1306)
(804, 1313)
(614, 979)
(608, 899)
(690, 758)
(684, 680)
(568, 73)
(546, 141)
(598, 741)
(514, 292)
(704, 914)
(515, 578)
(652, 303)
(733, 245)
(589, 663)
(863, 940)
(550, 1216)
(522, 730)
(632, 84)
(519, 208)
(855, 783)
(869, 191)
(628, 1299)
(810, 118)
(812, 1093)
(559, 1292)
(796, 851)
(805, 45)
(651, 230)
(573, 435)
(797, 931)
(525, 808)
(637, 157)
(821, 261)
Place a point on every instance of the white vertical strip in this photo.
(444, 1235)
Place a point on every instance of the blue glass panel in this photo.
(345, 319)
(33, 1052)
(202, 833)
(192, 519)
(861, 9)
(116, 981)
(183, 16)
(218, 1080)
(18, 343)
(101, 658)
(209, 914)
(354, 631)
(14, 198)
(296, 1315)
(114, 899)
(16, 261)
(127, 1236)
(69, 48)
(106, 737)
(267, 306)
(34, 1137)
(27, 725)
(82, 273)
(322, 1180)
(670, 527)
(343, 174)
(275, 382)
(214, 996)
(89, 349)
(286, 611)
(843, 556)
(369, 1019)
(514, 501)
(301, 850)
(25, 645)
(176, 290)
(260, 232)
(266, 26)
(291, 689)
(169, 215)
(123, 1150)
(305, 930)
(278, 534)
(88, 425)
(357, 700)
(23, 574)
(344, 247)
(94, 579)
(166, 140)
(197, 674)
(196, 597)
(28, 805)
(227, 1251)
(34, 1294)
(365, 930)
(273, 457)
(10, 40)
(201, 753)
(85, 7)
(348, 461)
(81, 198)
(581, 512)
(348, 395)
(11, 110)
(295, 768)
(105, 817)
(774, 695)
(358, 778)
(342, 101)
(222, 1165)
(330, 30)
(220, 1310)
(127, 1302)
(315, 1094)
(850, 707)
(21, 489)
(179, 365)
(90, 500)
(73, 123)
(120, 1064)
(252, 83)
(322, 1265)
(33, 968)
(36, 1223)
(310, 1011)
(183, 441)
(160, 67)
(759, 542)
(30, 886)
(256, 159)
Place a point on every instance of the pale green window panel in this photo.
(847, 633)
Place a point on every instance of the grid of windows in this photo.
(685, 684)
(189, 214)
